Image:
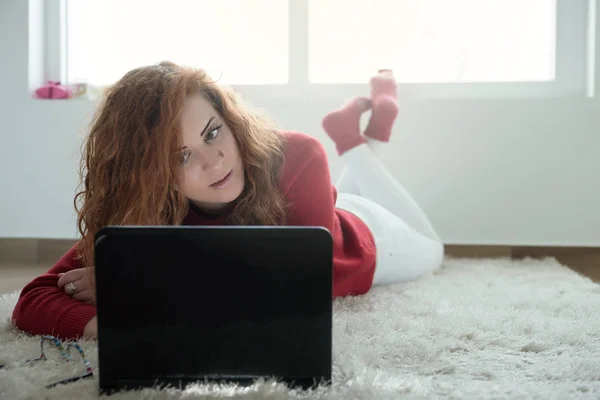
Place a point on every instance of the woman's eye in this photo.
(185, 157)
(212, 135)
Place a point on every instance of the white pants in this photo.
(407, 245)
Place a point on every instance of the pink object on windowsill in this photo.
(53, 90)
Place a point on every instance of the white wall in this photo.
(486, 171)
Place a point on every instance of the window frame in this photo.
(55, 40)
(576, 69)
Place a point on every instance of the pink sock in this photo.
(343, 125)
(385, 106)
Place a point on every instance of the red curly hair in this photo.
(130, 164)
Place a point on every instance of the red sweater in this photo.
(44, 309)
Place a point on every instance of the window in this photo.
(437, 48)
(432, 40)
(236, 41)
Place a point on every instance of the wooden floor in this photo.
(16, 273)
(585, 260)
(14, 276)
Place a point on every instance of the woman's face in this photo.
(213, 170)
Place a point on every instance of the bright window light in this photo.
(236, 41)
(426, 41)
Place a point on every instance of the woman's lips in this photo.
(220, 184)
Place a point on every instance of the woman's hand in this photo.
(91, 329)
(78, 283)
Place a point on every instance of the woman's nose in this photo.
(211, 158)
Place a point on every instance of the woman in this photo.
(168, 146)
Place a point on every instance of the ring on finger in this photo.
(70, 288)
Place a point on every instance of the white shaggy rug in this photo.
(476, 329)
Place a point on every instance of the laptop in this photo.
(178, 305)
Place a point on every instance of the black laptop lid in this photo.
(181, 304)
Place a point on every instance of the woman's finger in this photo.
(78, 286)
(86, 295)
(70, 276)
(82, 284)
